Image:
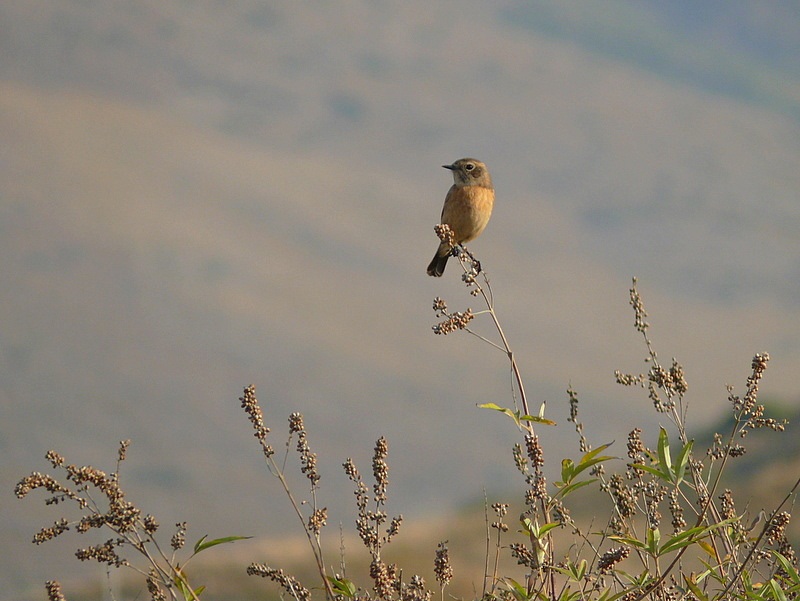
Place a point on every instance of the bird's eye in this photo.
(469, 166)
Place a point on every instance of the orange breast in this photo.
(467, 211)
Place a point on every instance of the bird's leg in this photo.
(476, 264)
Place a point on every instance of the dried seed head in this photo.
(256, 417)
(445, 234)
(54, 591)
(534, 450)
(456, 321)
(382, 577)
(777, 527)
(380, 469)
(611, 558)
(122, 453)
(317, 520)
(623, 497)
(46, 534)
(156, 594)
(441, 565)
(296, 423)
(179, 538)
(287, 582)
(638, 309)
(104, 553)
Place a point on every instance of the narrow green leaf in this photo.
(653, 470)
(629, 541)
(708, 549)
(653, 537)
(532, 529)
(787, 566)
(663, 452)
(608, 596)
(682, 462)
(582, 567)
(694, 588)
(538, 420)
(567, 470)
(202, 544)
(776, 589)
(547, 528)
(517, 416)
(574, 486)
(594, 452)
(692, 535)
(343, 586)
(681, 540)
(495, 407)
(520, 592)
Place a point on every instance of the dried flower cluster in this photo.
(54, 591)
(178, 539)
(584, 445)
(445, 234)
(640, 315)
(441, 565)
(536, 479)
(308, 460)
(611, 558)
(624, 499)
(121, 516)
(256, 416)
(454, 322)
(500, 510)
(287, 582)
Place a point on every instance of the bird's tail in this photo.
(436, 268)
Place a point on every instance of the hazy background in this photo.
(198, 195)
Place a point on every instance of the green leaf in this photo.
(777, 591)
(569, 595)
(343, 586)
(591, 458)
(608, 596)
(520, 592)
(517, 416)
(663, 452)
(682, 462)
(532, 529)
(581, 569)
(567, 470)
(690, 582)
(633, 542)
(202, 544)
(574, 486)
(652, 470)
(691, 536)
(538, 420)
(653, 537)
(684, 539)
(708, 549)
(787, 566)
(594, 452)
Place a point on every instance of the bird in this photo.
(467, 208)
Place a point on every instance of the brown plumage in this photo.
(467, 207)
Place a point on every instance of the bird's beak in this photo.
(450, 167)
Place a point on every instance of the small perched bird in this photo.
(467, 207)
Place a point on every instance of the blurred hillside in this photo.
(199, 196)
